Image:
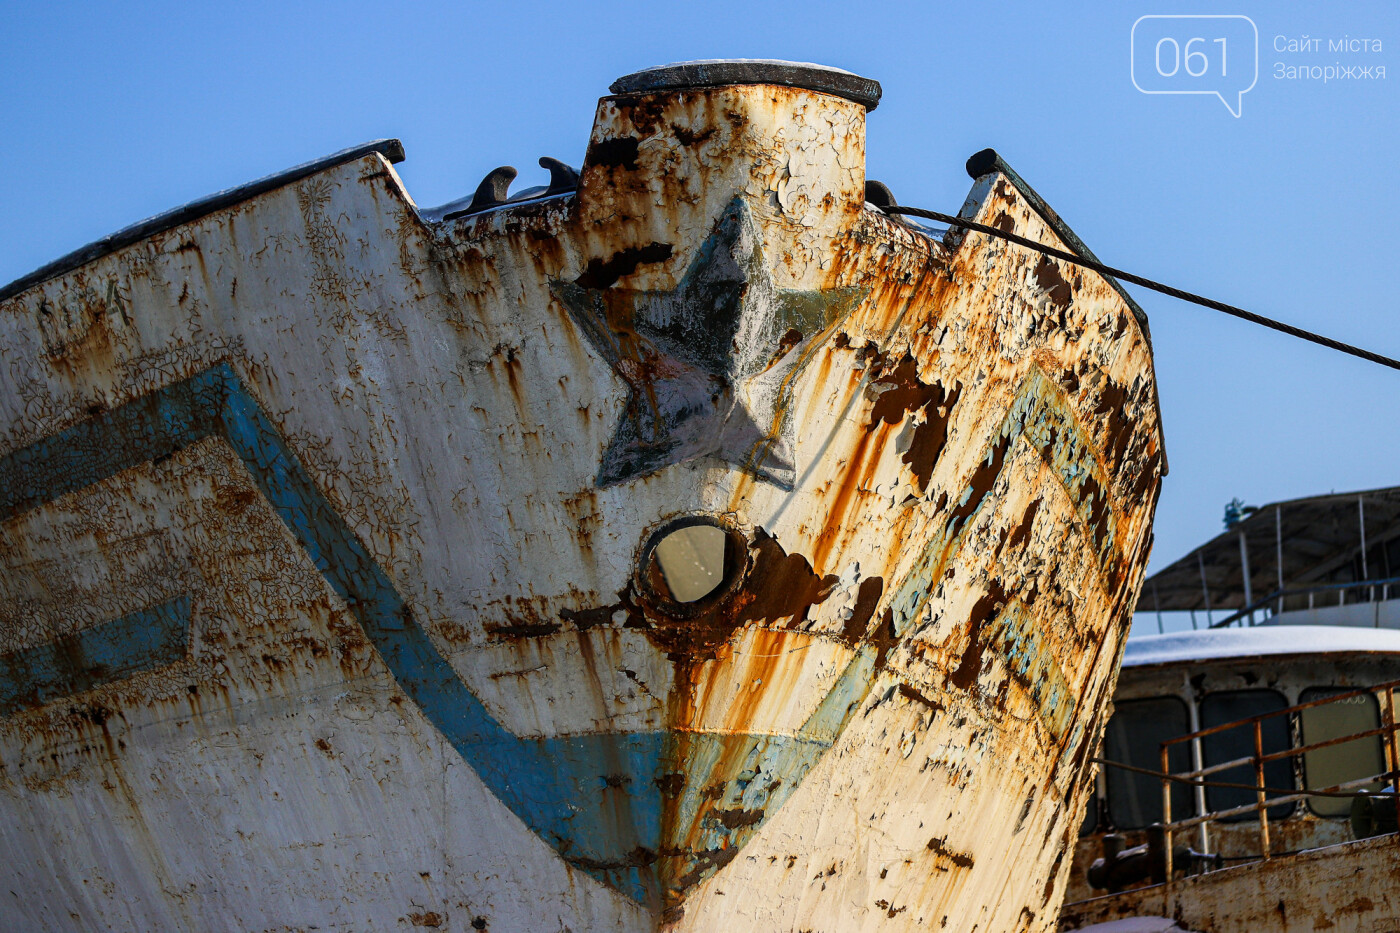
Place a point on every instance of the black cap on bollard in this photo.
(721, 71)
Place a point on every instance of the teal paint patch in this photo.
(103, 654)
(1014, 637)
(1051, 427)
(596, 799)
(1041, 415)
(736, 781)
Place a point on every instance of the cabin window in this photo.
(1217, 709)
(1134, 736)
(1348, 761)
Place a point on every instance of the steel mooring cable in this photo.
(1111, 272)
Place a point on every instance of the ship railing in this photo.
(1313, 597)
(1265, 796)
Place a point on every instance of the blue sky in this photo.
(112, 113)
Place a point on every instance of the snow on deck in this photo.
(1259, 641)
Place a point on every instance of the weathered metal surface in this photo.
(1348, 888)
(401, 476)
(391, 149)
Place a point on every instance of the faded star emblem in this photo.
(710, 364)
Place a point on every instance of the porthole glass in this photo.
(691, 561)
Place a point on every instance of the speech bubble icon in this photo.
(1181, 54)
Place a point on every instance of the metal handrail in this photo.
(1213, 769)
(1274, 802)
(1260, 605)
(1304, 749)
(1271, 802)
(1388, 728)
(1260, 717)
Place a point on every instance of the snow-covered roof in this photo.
(1259, 641)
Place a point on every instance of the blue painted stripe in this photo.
(101, 654)
(149, 428)
(559, 787)
(597, 799)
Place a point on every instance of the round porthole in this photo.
(691, 563)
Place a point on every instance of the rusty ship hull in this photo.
(333, 542)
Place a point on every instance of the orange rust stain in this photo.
(739, 495)
(854, 481)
